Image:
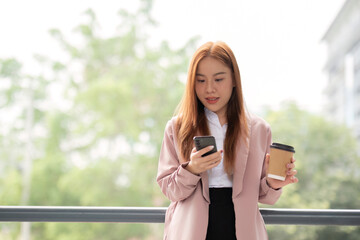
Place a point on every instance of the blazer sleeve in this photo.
(267, 195)
(175, 181)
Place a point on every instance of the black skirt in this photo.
(221, 215)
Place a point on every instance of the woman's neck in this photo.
(222, 119)
(221, 116)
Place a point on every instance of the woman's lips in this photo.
(212, 100)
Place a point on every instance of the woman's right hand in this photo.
(200, 164)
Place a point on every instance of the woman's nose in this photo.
(209, 87)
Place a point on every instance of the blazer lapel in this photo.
(242, 152)
(205, 185)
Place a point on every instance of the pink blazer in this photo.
(187, 216)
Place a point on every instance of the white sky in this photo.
(277, 43)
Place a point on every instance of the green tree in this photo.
(100, 145)
(328, 170)
(22, 140)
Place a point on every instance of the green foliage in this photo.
(328, 169)
(10, 68)
(100, 145)
(100, 149)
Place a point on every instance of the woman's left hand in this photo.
(290, 177)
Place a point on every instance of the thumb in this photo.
(193, 150)
(267, 159)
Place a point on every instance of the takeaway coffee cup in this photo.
(280, 156)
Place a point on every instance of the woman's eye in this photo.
(218, 79)
(201, 80)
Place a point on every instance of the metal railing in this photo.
(157, 215)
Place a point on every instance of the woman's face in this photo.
(214, 85)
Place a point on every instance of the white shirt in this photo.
(218, 178)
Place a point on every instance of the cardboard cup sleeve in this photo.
(280, 156)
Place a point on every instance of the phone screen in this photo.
(204, 141)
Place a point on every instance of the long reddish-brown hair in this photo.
(191, 116)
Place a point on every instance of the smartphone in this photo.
(204, 141)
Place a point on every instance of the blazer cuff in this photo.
(266, 188)
(187, 176)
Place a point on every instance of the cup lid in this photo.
(283, 147)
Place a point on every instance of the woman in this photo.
(216, 196)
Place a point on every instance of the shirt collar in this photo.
(212, 117)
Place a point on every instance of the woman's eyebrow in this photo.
(202, 75)
(219, 73)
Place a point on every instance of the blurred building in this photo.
(343, 67)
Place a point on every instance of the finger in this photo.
(193, 150)
(205, 150)
(291, 179)
(213, 164)
(293, 160)
(294, 179)
(290, 166)
(212, 160)
(213, 157)
(291, 173)
(267, 160)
